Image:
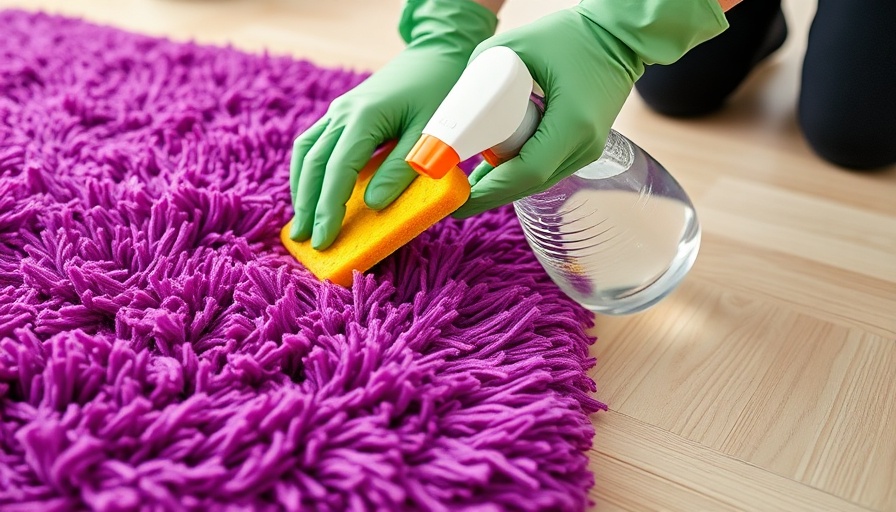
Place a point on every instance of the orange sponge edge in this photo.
(368, 236)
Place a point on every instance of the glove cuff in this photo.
(658, 31)
(458, 24)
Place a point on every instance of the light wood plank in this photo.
(858, 440)
(816, 229)
(761, 383)
(671, 473)
(841, 296)
(624, 485)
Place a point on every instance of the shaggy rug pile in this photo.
(159, 350)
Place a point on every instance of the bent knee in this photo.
(848, 141)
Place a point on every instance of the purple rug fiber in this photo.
(159, 350)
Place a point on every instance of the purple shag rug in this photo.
(160, 351)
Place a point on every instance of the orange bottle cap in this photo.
(432, 157)
(491, 157)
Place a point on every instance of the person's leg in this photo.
(701, 81)
(847, 105)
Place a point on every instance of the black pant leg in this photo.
(847, 104)
(699, 82)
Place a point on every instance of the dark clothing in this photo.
(847, 103)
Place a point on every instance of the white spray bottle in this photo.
(617, 236)
(488, 106)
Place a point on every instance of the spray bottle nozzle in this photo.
(432, 157)
(487, 111)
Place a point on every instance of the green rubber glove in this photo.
(586, 59)
(395, 102)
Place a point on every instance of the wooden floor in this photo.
(767, 382)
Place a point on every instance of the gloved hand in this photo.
(586, 59)
(396, 101)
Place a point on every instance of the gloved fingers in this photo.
(500, 195)
(299, 149)
(352, 151)
(580, 157)
(564, 136)
(585, 155)
(394, 175)
(480, 172)
(498, 188)
(311, 179)
(536, 163)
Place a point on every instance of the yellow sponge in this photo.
(368, 236)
